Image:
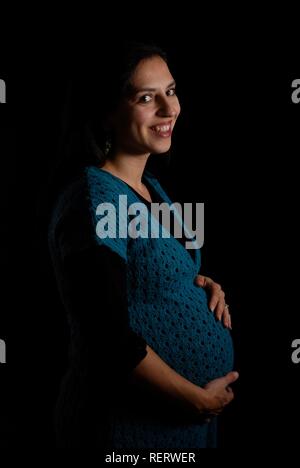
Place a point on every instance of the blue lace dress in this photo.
(121, 293)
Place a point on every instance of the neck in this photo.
(128, 168)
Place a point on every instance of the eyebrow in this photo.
(140, 90)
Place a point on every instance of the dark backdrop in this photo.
(235, 148)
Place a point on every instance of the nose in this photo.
(166, 108)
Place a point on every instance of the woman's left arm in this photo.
(217, 302)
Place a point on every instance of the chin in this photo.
(161, 149)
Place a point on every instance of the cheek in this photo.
(142, 118)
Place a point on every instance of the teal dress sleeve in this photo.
(98, 314)
(103, 349)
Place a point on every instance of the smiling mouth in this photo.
(164, 130)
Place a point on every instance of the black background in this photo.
(235, 148)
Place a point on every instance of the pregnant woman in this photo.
(150, 365)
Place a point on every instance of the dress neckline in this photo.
(156, 199)
(153, 193)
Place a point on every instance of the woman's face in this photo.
(145, 120)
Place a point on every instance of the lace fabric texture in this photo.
(165, 309)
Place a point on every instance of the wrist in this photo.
(193, 395)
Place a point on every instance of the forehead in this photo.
(152, 72)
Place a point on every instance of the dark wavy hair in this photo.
(92, 94)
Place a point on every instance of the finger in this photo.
(200, 281)
(229, 389)
(217, 301)
(220, 310)
(226, 317)
(230, 378)
(229, 398)
(209, 282)
(230, 322)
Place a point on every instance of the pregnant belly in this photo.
(185, 334)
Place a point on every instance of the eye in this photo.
(145, 98)
(171, 92)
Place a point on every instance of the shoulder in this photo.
(74, 220)
(84, 192)
(72, 200)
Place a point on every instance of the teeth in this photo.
(162, 128)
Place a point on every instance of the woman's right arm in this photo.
(206, 401)
(98, 296)
(98, 305)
